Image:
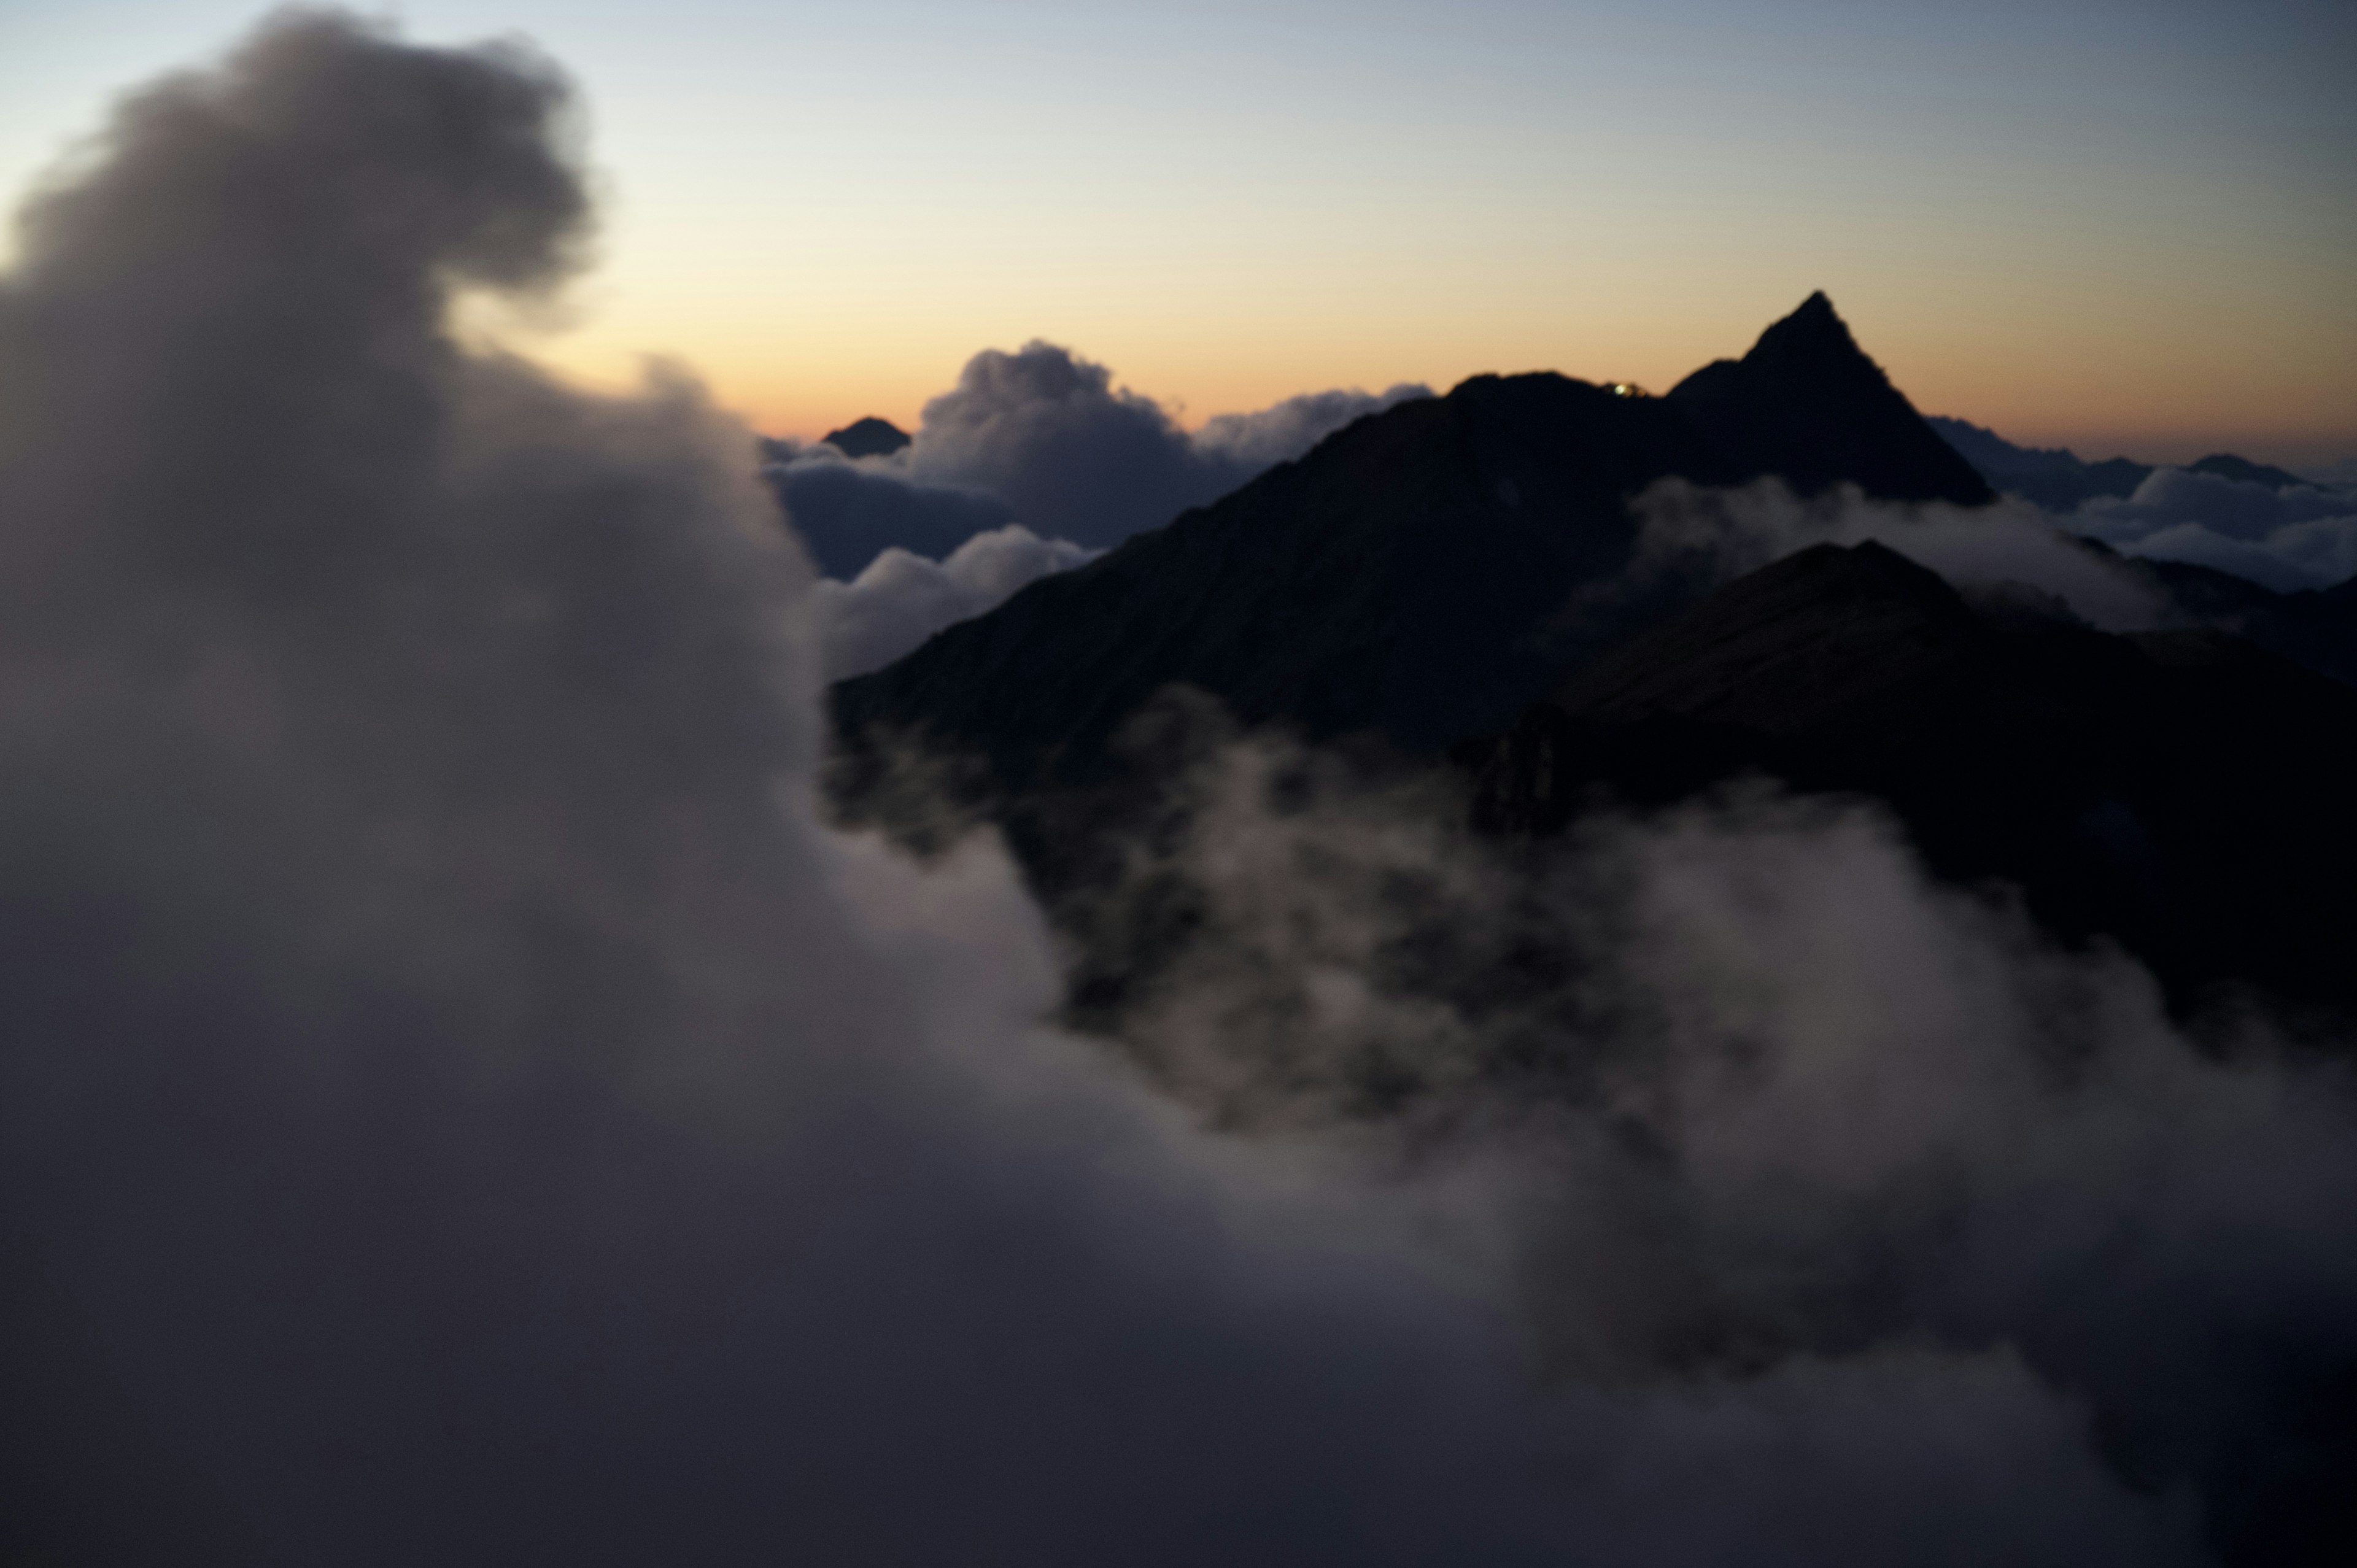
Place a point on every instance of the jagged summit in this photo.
(1808, 405)
(868, 437)
(1815, 319)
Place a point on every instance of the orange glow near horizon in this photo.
(2108, 228)
(2252, 386)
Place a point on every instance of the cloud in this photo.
(1284, 431)
(1818, 1129)
(848, 512)
(458, 1102)
(1690, 532)
(902, 598)
(1043, 437)
(2286, 540)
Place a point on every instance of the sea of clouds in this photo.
(460, 1101)
(2288, 539)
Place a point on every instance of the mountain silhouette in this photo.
(2181, 793)
(1807, 405)
(868, 437)
(2059, 480)
(1410, 575)
(2054, 476)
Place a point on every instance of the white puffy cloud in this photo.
(2286, 540)
(902, 598)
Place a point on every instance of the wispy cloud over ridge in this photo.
(1719, 534)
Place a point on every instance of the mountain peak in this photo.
(1814, 314)
(1808, 405)
(1814, 329)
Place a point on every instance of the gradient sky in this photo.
(2122, 227)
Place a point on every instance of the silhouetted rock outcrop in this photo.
(868, 437)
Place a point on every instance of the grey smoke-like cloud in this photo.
(1717, 535)
(1808, 1118)
(1043, 438)
(458, 1102)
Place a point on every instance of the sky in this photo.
(2120, 227)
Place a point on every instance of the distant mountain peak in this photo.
(868, 437)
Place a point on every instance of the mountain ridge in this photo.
(2178, 791)
(1419, 555)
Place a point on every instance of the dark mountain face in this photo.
(1401, 578)
(2314, 627)
(868, 437)
(2184, 793)
(1412, 576)
(1807, 404)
